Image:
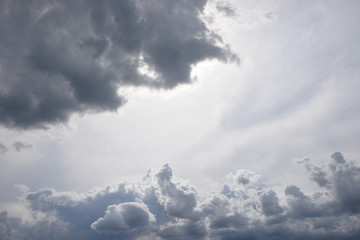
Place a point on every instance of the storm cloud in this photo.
(60, 58)
(157, 205)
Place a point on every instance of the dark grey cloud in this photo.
(270, 203)
(338, 157)
(159, 206)
(19, 146)
(5, 229)
(341, 178)
(3, 148)
(58, 58)
(301, 206)
(317, 174)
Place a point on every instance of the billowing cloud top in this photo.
(159, 206)
(57, 58)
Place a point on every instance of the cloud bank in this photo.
(159, 206)
(59, 58)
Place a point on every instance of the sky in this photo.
(187, 119)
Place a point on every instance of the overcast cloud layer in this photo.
(158, 206)
(61, 57)
(295, 94)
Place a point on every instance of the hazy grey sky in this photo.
(188, 119)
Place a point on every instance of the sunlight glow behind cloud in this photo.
(98, 92)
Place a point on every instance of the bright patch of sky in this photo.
(293, 94)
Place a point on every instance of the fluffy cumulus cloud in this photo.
(57, 58)
(156, 205)
(131, 216)
(341, 179)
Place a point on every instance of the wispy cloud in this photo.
(19, 146)
(3, 148)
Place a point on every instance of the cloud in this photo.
(226, 7)
(124, 217)
(188, 230)
(3, 148)
(342, 178)
(68, 57)
(157, 205)
(179, 200)
(5, 229)
(245, 177)
(19, 146)
(270, 203)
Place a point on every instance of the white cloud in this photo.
(124, 217)
(295, 93)
(160, 206)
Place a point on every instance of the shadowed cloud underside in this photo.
(68, 57)
(159, 206)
